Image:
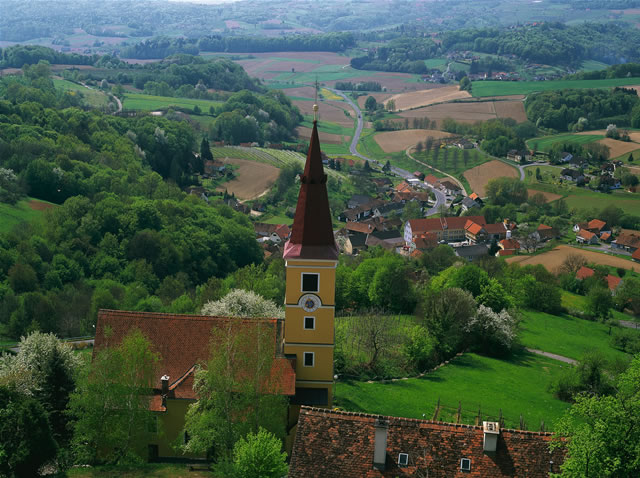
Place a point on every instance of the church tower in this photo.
(311, 257)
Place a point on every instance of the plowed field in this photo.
(252, 178)
(479, 176)
(552, 259)
(394, 141)
(416, 99)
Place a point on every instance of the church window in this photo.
(309, 323)
(309, 359)
(310, 282)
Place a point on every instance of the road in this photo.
(403, 173)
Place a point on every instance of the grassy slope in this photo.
(93, 97)
(497, 88)
(518, 386)
(20, 212)
(567, 336)
(136, 101)
(546, 142)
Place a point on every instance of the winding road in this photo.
(403, 173)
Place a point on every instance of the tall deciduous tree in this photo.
(238, 391)
(111, 405)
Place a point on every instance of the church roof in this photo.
(312, 232)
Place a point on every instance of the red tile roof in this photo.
(605, 236)
(339, 444)
(506, 252)
(498, 228)
(596, 224)
(426, 241)
(636, 255)
(474, 196)
(360, 227)
(613, 282)
(283, 231)
(543, 227)
(420, 226)
(509, 244)
(629, 238)
(430, 179)
(584, 272)
(183, 341)
(312, 234)
(473, 228)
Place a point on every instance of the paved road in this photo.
(403, 173)
(553, 356)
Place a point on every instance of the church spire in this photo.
(312, 232)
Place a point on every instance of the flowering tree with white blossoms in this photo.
(243, 303)
(492, 332)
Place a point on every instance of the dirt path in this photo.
(552, 356)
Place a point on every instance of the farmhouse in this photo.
(519, 156)
(448, 229)
(450, 188)
(508, 247)
(468, 203)
(596, 226)
(332, 443)
(431, 180)
(565, 157)
(545, 233)
(478, 233)
(586, 237)
(636, 255)
(472, 252)
(574, 175)
(628, 240)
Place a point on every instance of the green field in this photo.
(593, 65)
(141, 102)
(546, 142)
(517, 386)
(94, 97)
(579, 302)
(20, 212)
(580, 198)
(502, 88)
(549, 174)
(566, 335)
(328, 127)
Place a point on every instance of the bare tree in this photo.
(572, 263)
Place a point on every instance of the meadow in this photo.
(515, 386)
(93, 96)
(545, 143)
(141, 102)
(25, 210)
(505, 88)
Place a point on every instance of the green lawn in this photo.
(138, 101)
(579, 302)
(328, 127)
(94, 97)
(580, 198)
(501, 88)
(517, 386)
(549, 174)
(546, 142)
(566, 335)
(20, 212)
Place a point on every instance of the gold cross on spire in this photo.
(315, 103)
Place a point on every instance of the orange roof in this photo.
(543, 227)
(359, 227)
(473, 228)
(473, 196)
(506, 252)
(416, 253)
(636, 255)
(182, 341)
(430, 179)
(613, 282)
(584, 272)
(596, 224)
(419, 226)
(403, 186)
(426, 241)
(283, 231)
(586, 234)
(498, 228)
(605, 236)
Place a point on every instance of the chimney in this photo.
(491, 433)
(380, 445)
(165, 389)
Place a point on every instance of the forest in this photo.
(577, 110)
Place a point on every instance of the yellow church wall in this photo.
(323, 362)
(170, 426)
(326, 284)
(294, 326)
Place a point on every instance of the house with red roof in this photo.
(636, 255)
(332, 443)
(612, 282)
(595, 226)
(448, 229)
(586, 237)
(584, 272)
(508, 247)
(182, 343)
(628, 240)
(545, 233)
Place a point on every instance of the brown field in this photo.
(332, 111)
(39, 205)
(510, 109)
(552, 259)
(479, 176)
(252, 178)
(549, 196)
(470, 112)
(393, 82)
(416, 99)
(380, 97)
(394, 141)
(305, 133)
(618, 148)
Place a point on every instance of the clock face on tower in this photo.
(309, 302)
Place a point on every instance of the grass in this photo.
(502, 88)
(155, 470)
(517, 386)
(278, 220)
(580, 198)
(138, 101)
(328, 127)
(11, 215)
(579, 302)
(93, 97)
(566, 335)
(593, 65)
(546, 142)
(547, 173)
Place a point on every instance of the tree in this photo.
(370, 104)
(599, 302)
(419, 147)
(238, 391)
(44, 368)
(628, 295)
(504, 190)
(601, 434)
(259, 455)
(387, 166)
(494, 296)
(572, 263)
(205, 150)
(111, 405)
(412, 210)
(242, 303)
(26, 440)
(492, 332)
(390, 105)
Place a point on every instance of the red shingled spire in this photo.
(312, 231)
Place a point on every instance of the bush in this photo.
(626, 340)
(420, 350)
